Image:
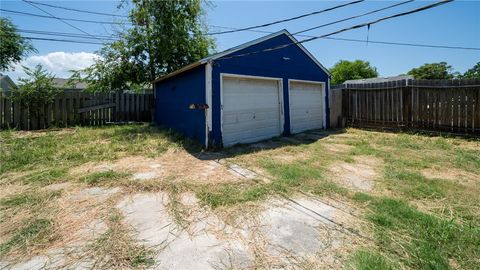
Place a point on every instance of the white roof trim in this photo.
(243, 46)
(178, 71)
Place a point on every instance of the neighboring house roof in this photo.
(6, 84)
(62, 83)
(380, 79)
(241, 47)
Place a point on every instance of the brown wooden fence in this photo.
(76, 108)
(440, 105)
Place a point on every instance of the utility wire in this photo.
(287, 20)
(65, 22)
(64, 40)
(63, 34)
(406, 44)
(344, 29)
(355, 17)
(60, 18)
(113, 38)
(77, 10)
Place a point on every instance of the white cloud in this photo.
(58, 63)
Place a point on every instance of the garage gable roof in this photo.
(241, 47)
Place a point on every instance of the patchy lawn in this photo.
(135, 196)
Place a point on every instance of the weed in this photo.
(117, 249)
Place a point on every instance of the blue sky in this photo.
(453, 24)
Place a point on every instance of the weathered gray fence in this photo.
(76, 108)
(440, 105)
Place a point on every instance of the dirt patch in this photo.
(174, 165)
(455, 175)
(41, 133)
(338, 148)
(58, 186)
(359, 175)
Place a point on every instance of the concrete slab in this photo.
(239, 171)
(198, 247)
(147, 215)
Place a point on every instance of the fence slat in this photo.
(426, 104)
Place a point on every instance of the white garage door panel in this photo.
(306, 106)
(251, 110)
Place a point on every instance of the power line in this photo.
(355, 17)
(289, 19)
(54, 17)
(65, 40)
(369, 41)
(405, 44)
(64, 34)
(65, 22)
(77, 10)
(344, 29)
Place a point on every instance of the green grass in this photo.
(369, 260)
(287, 179)
(427, 241)
(84, 144)
(102, 177)
(405, 237)
(227, 195)
(28, 199)
(413, 184)
(35, 232)
(46, 177)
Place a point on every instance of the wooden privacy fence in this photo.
(76, 108)
(440, 105)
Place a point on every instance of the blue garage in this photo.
(258, 90)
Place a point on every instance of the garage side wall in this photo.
(287, 63)
(173, 97)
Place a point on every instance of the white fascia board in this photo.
(243, 46)
(208, 100)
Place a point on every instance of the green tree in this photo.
(473, 73)
(347, 70)
(433, 71)
(13, 47)
(36, 90)
(165, 36)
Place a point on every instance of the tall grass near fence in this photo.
(72, 108)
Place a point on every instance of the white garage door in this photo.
(306, 106)
(251, 109)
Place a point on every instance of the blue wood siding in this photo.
(172, 100)
(287, 63)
